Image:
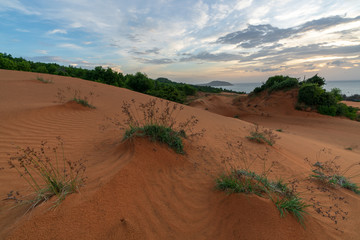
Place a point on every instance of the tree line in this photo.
(140, 82)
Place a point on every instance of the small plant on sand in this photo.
(285, 199)
(41, 79)
(157, 119)
(47, 176)
(279, 130)
(241, 179)
(264, 136)
(75, 95)
(330, 173)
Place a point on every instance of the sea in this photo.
(347, 87)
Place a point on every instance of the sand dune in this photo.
(139, 189)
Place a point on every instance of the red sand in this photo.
(144, 190)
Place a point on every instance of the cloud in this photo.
(157, 61)
(70, 46)
(337, 63)
(206, 56)
(154, 50)
(257, 35)
(42, 51)
(55, 31)
(269, 69)
(22, 30)
(324, 23)
(16, 5)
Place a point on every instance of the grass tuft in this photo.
(158, 133)
(83, 102)
(265, 136)
(75, 95)
(41, 79)
(332, 174)
(293, 205)
(47, 176)
(244, 181)
(158, 121)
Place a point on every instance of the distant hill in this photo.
(164, 80)
(216, 83)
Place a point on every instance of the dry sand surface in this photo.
(143, 190)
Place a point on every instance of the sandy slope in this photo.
(143, 190)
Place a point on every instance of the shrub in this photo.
(310, 94)
(276, 83)
(189, 90)
(157, 120)
(47, 176)
(327, 110)
(286, 84)
(316, 80)
(258, 90)
(274, 80)
(139, 82)
(336, 92)
(327, 99)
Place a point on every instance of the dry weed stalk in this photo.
(46, 176)
(263, 136)
(330, 173)
(160, 113)
(70, 94)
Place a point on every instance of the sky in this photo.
(192, 41)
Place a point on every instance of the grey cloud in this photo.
(133, 38)
(256, 35)
(268, 69)
(270, 57)
(337, 63)
(206, 56)
(146, 52)
(324, 23)
(49, 59)
(157, 61)
(310, 66)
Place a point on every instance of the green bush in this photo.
(189, 90)
(327, 99)
(327, 110)
(315, 80)
(310, 94)
(276, 83)
(274, 80)
(337, 94)
(288, 83)
(139, 82)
